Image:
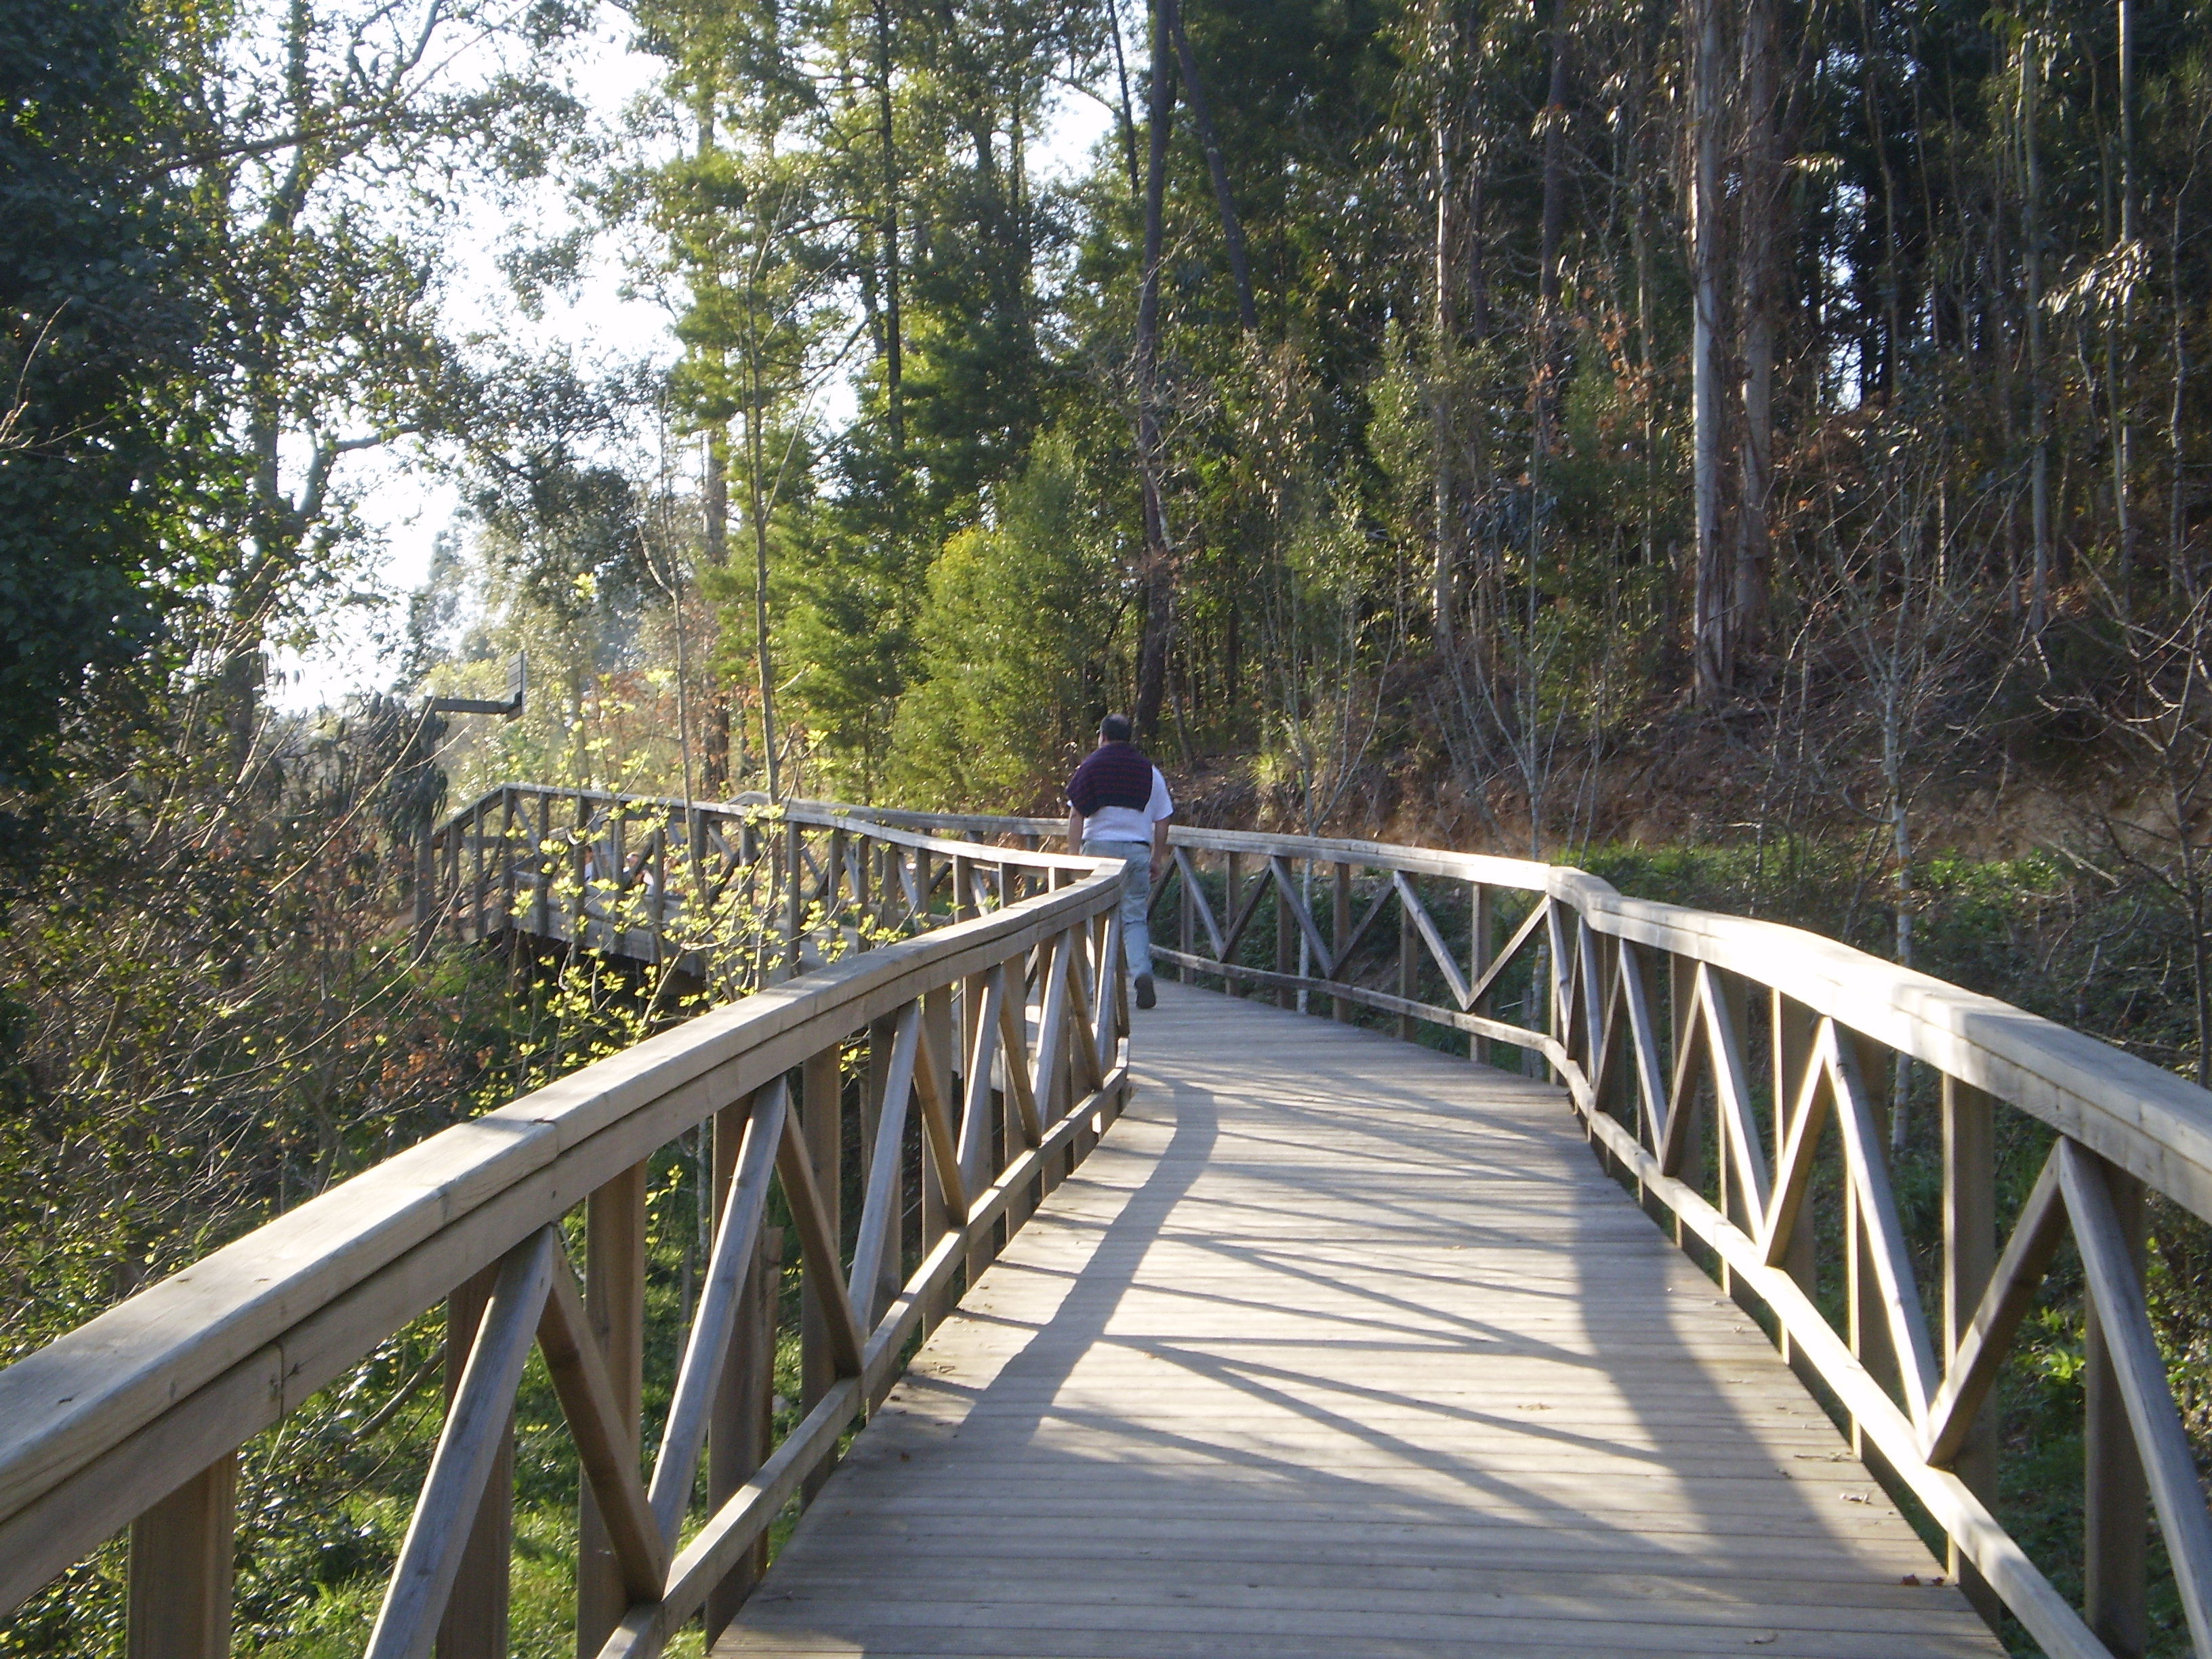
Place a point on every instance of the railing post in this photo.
(740, 1431)
(475, 1624)
(1285, 997)
(821, 1121)
(1681, 1009)
(794, 904)
(614, 1305)
(476, 871)
(1234, 864)
(2115, 1498)
(1791, 1042)
(882, 1035)
(937, 1025)
(1339, 928)
(1186, 920)
(180, 1579)
(1409, 942)
(544, 861)
(580, 867)
(1869, 1318)
(449, 884)
(425, 865)
(1481, 949)
(508, 871)
(1969, 1244)
(864, 869)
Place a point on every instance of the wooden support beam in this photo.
(1969, 1250)
(180, 1582)
(455, 1530)
(475, 1624)
(707, 1346)
(822, 1308)
(2115, 1489)
(1481, 950)
(614, 1303)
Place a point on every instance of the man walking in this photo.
(1118, 807)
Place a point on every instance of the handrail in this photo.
(1645, 1014)
(1001, 1031)
(1735, 1117)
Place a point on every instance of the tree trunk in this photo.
(1444, 581)
(1711, 618)
(1553, 232)
(887, 140)
(1232, 229)
(1155, 573)
(2038, 397)
(1760, 208)
(715, 550)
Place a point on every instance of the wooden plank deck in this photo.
(1338, 1346)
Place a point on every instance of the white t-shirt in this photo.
(1126, 823)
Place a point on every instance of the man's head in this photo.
(1114, 728)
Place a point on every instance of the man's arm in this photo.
(1074, 831)
(1159, 845)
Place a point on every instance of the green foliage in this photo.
(1006, 636)
(99, 456)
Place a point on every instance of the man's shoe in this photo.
(1147, 997)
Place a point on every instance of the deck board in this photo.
(1338, 1346)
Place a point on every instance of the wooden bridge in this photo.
(1267, 1325)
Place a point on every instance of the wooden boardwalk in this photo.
(1339, 1347)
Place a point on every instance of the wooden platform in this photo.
(1339, 1347)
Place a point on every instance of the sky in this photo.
(403, 501)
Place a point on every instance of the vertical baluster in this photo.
(1409, 942)
(476, 870)
(1970, 1247)
(740, 1431)
(614, 1303)
(833, 900)
(1869, 1316)
(2115, 1498)
(180, 1580)
(821, 1121)
(509, 868)
(1186, 920)
(1285, 997)
(449, 883)
(580, 863)
(937, 1025)
(658, 907)
(618, 904)
(882, 1034)
(425, 879)
(864, 869)
(1233, 864)
(1339, 928)
(1481, 951)
(1791, 1045)
(475, 1624)
(1682, 1008)
(1733, 993)
(794, 903)
(543, 861)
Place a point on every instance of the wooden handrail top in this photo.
(898, 828)
(281, 1312)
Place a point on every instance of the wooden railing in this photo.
(975, 986)
(1742, 1075)
(977, 1045)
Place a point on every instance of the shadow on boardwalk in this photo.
(1341, 1346)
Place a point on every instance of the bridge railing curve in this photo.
(1742, 1075)
(961, 1004)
